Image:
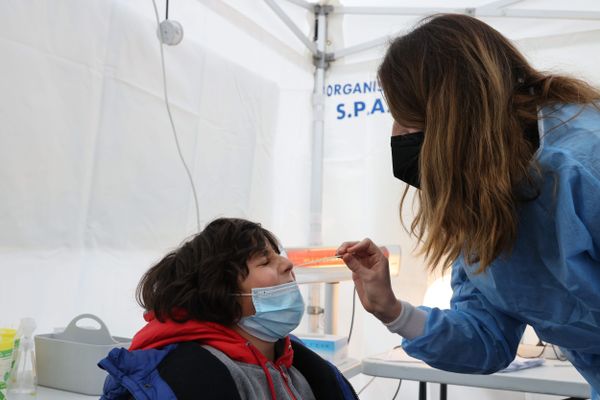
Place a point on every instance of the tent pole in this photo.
(321, 62)
(316, 201)
(288, 21)
(303, 4)
(316, 176)
(396, 10)
(362, 47)
(318, 104)
(494, 9)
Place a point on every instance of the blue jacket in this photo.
(550, 280)
(189, 371)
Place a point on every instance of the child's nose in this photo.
(286, 265)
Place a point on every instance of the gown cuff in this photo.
(410, 323)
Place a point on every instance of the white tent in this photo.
(93, 190)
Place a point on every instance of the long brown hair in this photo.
(474, 95)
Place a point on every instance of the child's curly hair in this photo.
(196, 280)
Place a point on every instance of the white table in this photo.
(45, 393)
(553, 377)
(349, 367)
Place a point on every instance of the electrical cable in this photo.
(399, 380)
(164, 76)
(353, 312)
(558, 357)
(397, 389)
(366, 385)
(535, 356)
(544, 346)
(539, 344)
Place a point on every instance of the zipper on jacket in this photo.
(285, 382)
(265, 370)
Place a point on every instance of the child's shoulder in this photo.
(323, 377)
(191, 371)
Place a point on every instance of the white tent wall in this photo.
(93, 190)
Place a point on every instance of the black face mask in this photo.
(407, 148)
(405, 157)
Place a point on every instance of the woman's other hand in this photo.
(371, 275)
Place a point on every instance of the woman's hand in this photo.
(371, 275)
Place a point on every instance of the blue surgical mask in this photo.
(279, 310)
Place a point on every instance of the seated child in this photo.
(219, 310)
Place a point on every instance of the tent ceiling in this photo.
(356, 22)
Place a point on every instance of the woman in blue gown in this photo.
(507, 162)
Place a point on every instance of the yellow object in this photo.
(7, 341)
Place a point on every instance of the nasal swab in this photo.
(318, 261)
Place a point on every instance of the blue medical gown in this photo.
(550, 280)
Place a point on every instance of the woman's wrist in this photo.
(390, 311)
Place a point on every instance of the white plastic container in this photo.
(68, 360)
(333, 348)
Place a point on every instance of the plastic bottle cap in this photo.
(27, 326)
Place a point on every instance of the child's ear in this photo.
(240, 280)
